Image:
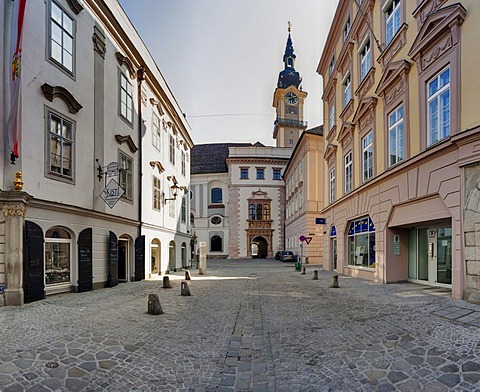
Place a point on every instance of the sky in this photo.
(221, 59)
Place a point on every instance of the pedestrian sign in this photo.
(112, 192)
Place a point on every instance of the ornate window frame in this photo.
(437, 46)
(393, 88)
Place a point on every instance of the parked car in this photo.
(278, 254)
(287, 255)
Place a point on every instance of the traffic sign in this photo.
(308, 239)
(112, 192)
(302, 238)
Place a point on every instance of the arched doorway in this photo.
(261, 246)
(171, 257)
(156, 264)
(184, 255)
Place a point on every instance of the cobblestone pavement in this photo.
(252, 325)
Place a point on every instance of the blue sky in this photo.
(221, 59)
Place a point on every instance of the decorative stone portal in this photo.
(471, 228)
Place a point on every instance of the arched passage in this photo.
(261, 246)
(171, 257)
(155, 251)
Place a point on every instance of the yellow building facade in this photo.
(402, 143)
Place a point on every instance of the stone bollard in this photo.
(303, 271)
(200, 271)
(187, 275)
(315, 275)
(334, 282)
(166, 283)
(154, 306)
(185, 291)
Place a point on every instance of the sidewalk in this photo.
(252, 325)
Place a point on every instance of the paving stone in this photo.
(396, 377)
(470, 366)
(471, 378)
(449, 379)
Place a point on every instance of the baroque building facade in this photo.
(103, 153)
(402, 139)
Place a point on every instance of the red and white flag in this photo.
(14, 125)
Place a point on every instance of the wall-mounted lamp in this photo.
(174, 191)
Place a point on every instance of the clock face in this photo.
(291, 98)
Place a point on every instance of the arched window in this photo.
(58, 245)
(216, 244)
(259, 212)
(216, 195)
(252, 212)
(266, 212)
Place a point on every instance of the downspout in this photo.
(140, 78)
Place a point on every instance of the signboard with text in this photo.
(112, 193)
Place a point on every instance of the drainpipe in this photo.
(140, 78)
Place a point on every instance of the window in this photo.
(361, 243)
(172, 149)
(266, 212)
(276, 174)
(126, 175)
(61, 37)
(331, 116)
(183, 210)
(156, 134)
(216, 220)
(60, 146)
(348, 172)
(290, 141)
(346, 29)
(347, 90)
(260, 174)
(58, 245)
(251, 212)
(259, 212)
(438, 107)
(365, 59)
(126, 98)
(395, 136)
(332, 185)
(393, 18)
(183, 163)
(331, 67)
(172, 205)
(156, 193)
(244, 173)
(216, 244)
(367, 156)
(216, 195)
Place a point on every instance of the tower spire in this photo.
(289, 77)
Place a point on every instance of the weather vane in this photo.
(289, 26)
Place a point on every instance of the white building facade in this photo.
(98, 122)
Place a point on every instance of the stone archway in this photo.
(262, 247)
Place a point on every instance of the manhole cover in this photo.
(51, 365)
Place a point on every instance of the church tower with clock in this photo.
(288, 101)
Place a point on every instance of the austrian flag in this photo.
(14, 125)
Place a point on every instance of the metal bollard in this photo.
(304, 271)
(315, 275)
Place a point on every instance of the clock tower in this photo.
(288, 101)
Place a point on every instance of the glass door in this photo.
(444, 255)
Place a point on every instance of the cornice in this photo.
(75, 6)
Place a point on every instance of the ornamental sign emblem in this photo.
(112, 192)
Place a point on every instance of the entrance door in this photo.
(33, 263)
(430, 256)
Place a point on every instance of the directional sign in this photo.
(112, 192)
(308, 239)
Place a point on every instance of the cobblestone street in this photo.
(253, 325)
